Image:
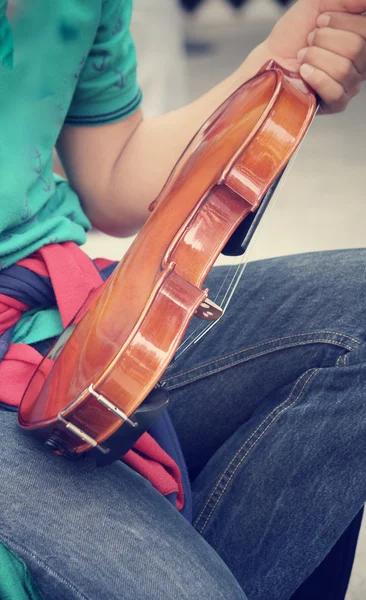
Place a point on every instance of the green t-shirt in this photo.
(70, 61)
(16, 582)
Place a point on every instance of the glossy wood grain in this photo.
(130, 333)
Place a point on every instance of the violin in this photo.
(98, 387)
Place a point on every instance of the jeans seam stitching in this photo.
(286, 337)
(41, 563)
(246, 442)
(311, 373)
(244, 359)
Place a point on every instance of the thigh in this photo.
(288, 315)
(99, 533)
(270, 410)
(280, 491)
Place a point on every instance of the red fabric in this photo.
(152, 462)
(75, 281)
(16, 369)
(102, 263)
(10, 312)
(66, 263)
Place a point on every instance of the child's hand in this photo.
(334, 64)
(326, 41)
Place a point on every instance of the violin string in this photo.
(186, 341)
(240, 267)
(246, 256)
(224, 282)
(185, 345)
(236, 274)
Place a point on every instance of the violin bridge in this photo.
(209, 311)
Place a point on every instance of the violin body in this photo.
(112, 356)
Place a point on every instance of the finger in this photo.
(338, 68)
(345, 43)
(333, 96)
(356, 7)
(344, 21)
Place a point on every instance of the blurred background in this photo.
(322, 204)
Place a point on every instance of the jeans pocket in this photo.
(339, 342)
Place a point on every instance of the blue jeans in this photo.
(270, 410)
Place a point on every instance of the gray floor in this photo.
(322, 204)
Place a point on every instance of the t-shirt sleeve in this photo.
(107, 89)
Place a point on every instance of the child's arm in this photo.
(119, 169)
